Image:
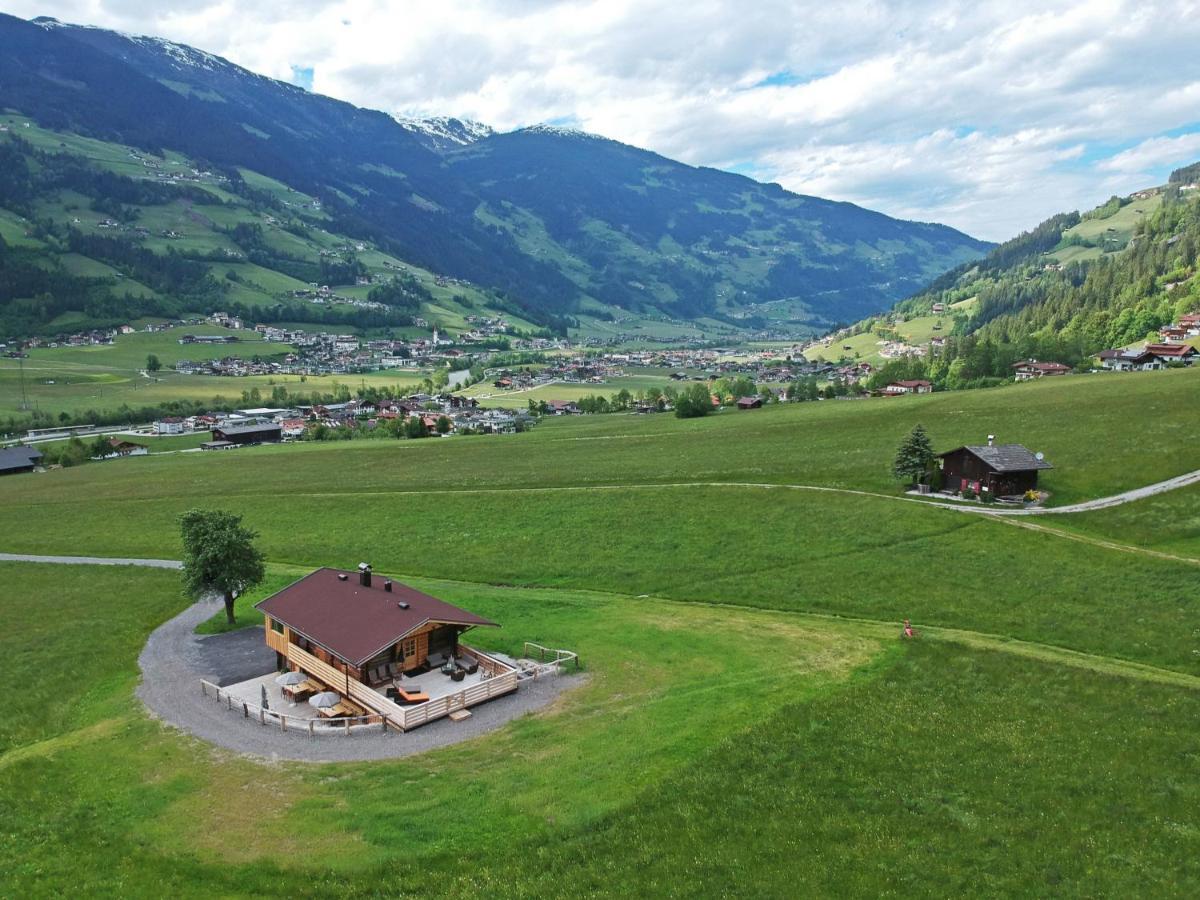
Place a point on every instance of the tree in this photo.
(415, 427)
(693, 402)
(152, 363)
(219, 555)
(443, 425)
(914, 456)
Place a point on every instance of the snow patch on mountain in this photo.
(447, 132)
(560, 131)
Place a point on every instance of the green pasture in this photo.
(748, 721)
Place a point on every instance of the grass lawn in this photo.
(1168, 523)
(819, 756)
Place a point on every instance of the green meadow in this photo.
(104, 377)
(748, 721)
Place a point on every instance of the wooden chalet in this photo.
(1002, 470)
(749, 402)
(384, 646)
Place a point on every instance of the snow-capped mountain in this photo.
(446, 132)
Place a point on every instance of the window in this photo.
(277, 626)
(408, 648)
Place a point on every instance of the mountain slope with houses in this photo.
(1123, 275)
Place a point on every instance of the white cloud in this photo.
(988, 116)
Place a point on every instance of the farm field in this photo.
(739, 638)
(637, 380)
(105, 377)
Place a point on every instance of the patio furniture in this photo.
(468, 662)
(302, 691)
(344, 709)
(458, 674)
(435, 660)
(412, 696)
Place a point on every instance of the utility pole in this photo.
(24, 399)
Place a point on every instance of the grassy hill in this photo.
(745, 688)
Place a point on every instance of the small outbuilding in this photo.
(749, 403)
(1002, 470)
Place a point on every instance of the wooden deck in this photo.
(496, 680)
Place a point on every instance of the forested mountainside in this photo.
(95, 234)
(561, 223)
(1073, 286)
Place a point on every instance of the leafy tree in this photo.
(219, 555)
(914, 456)
(415, 427)
(443, 425)
(152, 363)
(693, 402)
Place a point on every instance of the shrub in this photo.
(968, 494)
(1032, 496)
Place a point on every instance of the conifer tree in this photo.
(914, 456)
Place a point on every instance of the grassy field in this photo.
(103, 377)
(637, 380)
(749, 723)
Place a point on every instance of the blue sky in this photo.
(987, 116)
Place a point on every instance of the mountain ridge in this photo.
(520, 212)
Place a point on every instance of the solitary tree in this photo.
(219, 555)
(443, 425)
(152, 363)
(914, 456)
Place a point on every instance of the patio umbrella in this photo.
(291, 678)
(325, 698)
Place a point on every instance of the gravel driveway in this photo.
(175, 658)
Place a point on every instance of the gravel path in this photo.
(175, 658)
(1141, 493)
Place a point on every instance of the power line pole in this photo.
(24, 399)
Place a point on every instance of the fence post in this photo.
(311, 733)
(262, 716)
(245, 710)
(347, 726)
(282, 722)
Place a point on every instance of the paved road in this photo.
(91, 560)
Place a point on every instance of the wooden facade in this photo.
(964, 469)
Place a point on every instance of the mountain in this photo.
(560, 222)
(1073, 286)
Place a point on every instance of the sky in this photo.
(985, 116)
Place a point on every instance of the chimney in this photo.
(364, 574)
(387, 585)
(991, 440)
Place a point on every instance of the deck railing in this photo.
(550, 660)
(286, 723)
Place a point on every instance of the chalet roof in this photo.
(246, 429)
(1171, 349)
(18, 457)
(355, 622)
(1004, 457)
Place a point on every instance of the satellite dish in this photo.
(1039, 456)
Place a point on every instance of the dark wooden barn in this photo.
(1003, 470)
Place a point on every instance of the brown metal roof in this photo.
(356, 622)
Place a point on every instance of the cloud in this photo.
(988, 116)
